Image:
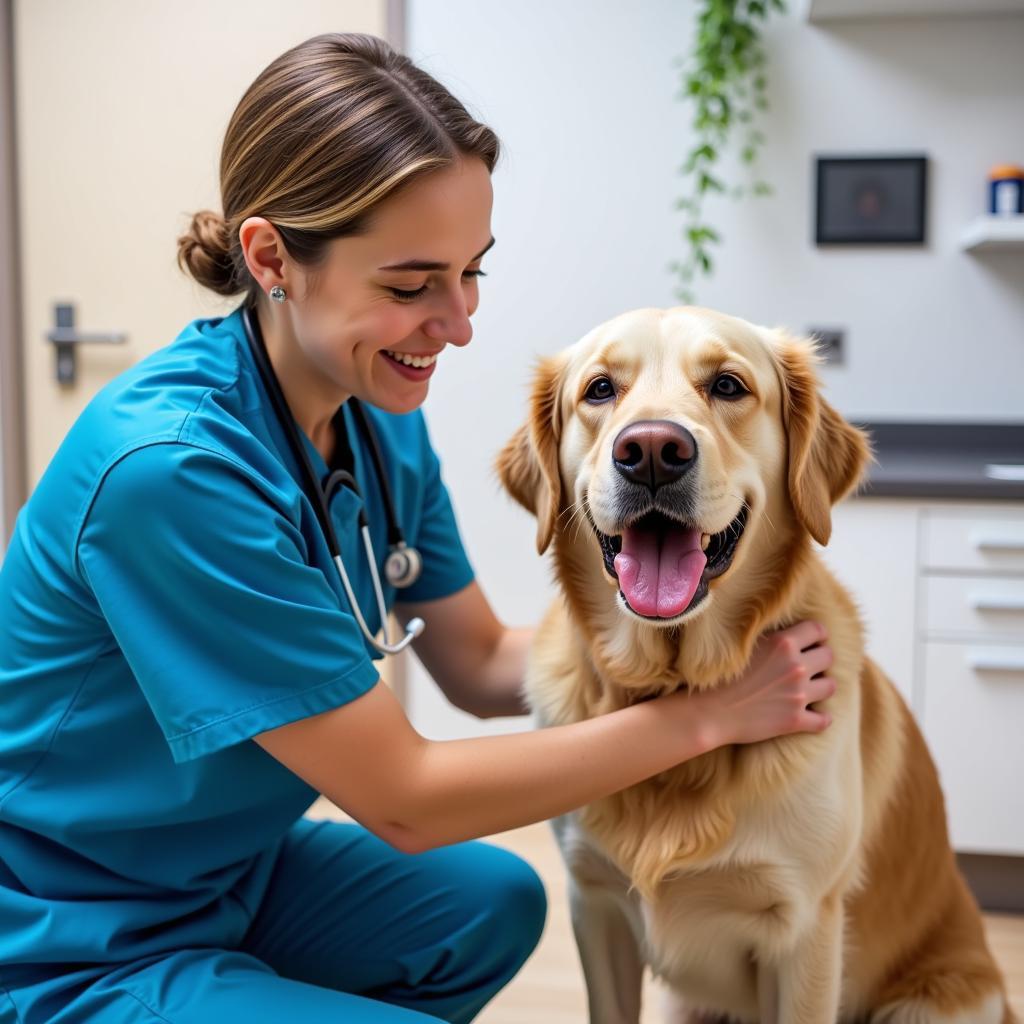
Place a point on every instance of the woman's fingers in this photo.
(805, 634)
(820, 689)
(817, 659)
(815, 721)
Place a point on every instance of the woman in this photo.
(182, 671)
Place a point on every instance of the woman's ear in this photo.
(528, 464)
(827, 455)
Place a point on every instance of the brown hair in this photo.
(324, 134)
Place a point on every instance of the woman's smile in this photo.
(412, 367)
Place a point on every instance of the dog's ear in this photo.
(528, 464)
(827, 455)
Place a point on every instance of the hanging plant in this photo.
(725, 79)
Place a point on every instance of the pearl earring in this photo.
(278, 294)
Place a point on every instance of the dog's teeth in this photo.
(705, 540)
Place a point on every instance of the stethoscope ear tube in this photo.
(404, 563)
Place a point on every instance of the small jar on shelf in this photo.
(1006, 190)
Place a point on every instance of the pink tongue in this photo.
(660, 583)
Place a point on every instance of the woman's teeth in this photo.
(404, 357)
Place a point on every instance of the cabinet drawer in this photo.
(973, 715)
(987, 605)
(964, 541)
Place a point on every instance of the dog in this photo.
(806, 879)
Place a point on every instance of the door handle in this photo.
(65, 337)
(998, 542)
(996, 602)
(996, 661)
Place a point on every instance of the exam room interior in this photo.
(584, 96)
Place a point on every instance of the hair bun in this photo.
(204, 251)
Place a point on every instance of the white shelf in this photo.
(989, 234)
(860, 10)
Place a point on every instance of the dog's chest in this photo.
(755, 894)
(697, 932)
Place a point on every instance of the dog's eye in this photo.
(600, 390)
(728, 386)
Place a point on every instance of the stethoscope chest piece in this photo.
(403, 565)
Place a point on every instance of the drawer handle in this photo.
(996, 603)
(1000, 542)
(996, 661)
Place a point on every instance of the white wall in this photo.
(582, 95)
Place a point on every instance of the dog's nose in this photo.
(654, 452)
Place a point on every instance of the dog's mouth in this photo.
(663, 565)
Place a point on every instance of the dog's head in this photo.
(676, 444)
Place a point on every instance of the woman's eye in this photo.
(728, 386)
(406, 296)
(600, 390)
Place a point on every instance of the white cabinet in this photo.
(972, 717)
(941, 589)
(987, 539)
(967, 605)
(873, 550)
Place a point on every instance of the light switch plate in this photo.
(830, 342)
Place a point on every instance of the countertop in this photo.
(945, 460)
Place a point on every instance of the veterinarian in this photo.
(183, 667)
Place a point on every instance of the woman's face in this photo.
(378, 301)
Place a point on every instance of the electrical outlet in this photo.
(830, 342)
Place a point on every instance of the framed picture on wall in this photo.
(870, 200)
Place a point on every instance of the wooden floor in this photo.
(549, 988)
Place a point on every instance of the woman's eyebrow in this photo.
(428, 265)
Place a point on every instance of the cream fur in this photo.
(804, 879)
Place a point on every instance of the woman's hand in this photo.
(417, 793)
(771, 697)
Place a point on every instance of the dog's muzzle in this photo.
(660, 565)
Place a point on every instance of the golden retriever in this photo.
(680, 463)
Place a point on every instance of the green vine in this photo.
(726, 80)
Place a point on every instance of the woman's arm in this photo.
(416, 794)
(476, 660)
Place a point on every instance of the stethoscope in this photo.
(403, 564)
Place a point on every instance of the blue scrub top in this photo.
(167, 595)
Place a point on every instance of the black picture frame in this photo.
(870, 200)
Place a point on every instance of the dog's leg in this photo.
(810, 976)
(612, 965)
(675, 1010)
(768, 993)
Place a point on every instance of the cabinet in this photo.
(873, 550)
(863, 10)
(941, 589)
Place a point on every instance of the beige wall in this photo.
(119, 118)
(12, 453)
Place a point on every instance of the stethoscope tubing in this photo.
(319, 497)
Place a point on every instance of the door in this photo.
(121, 109)
(120, 112)
(12, 461)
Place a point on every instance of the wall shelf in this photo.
(862, 10)
(992, 234)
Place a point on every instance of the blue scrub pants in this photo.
(350, 931)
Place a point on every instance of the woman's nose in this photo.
(452, 325)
